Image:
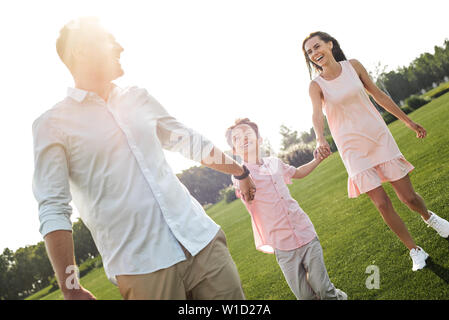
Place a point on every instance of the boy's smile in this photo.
(245, 142)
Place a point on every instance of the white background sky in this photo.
(207, 61)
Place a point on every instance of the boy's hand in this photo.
(247, 189)
(323, 149)
(317, 155)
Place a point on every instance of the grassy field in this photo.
(441, 87)
(351, 231)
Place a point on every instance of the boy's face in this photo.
(245, 142)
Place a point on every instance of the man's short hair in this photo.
(237, 123)
(72, 35)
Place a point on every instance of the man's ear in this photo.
(78, 54)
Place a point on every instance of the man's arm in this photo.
(52, 192)
(219, 161)
(177, 137)
(60, 251)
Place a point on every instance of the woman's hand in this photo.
(323, 150)
(420, 131)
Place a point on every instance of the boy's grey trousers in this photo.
(306, 273)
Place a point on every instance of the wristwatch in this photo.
(244, 175)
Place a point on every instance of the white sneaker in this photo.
(419, 257)
(439, 224)
(341, 295)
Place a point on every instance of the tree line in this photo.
(419, 75)
(28, 269)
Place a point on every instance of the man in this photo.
(103, 145)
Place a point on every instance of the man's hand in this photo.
(79, 294)
(247, 189)
(59, 246)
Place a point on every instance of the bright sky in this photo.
(207, 61)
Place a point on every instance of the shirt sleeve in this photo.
(288, 171)
(51, 177)
(175, 136)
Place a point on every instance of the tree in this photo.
(84, 244)
(289, 137)
(28, 269)
(204, 184)
(420, 74)
(266, 149)
(6, 263)
(307, 137)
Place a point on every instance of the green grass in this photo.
(442, 86)
(95, 281)
(352, 233)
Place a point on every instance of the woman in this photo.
(367, 148)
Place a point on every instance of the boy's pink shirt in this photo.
(277, 219)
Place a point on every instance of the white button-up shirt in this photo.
(109, 157)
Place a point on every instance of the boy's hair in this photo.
(237, 123)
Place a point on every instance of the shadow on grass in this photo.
(439, 270)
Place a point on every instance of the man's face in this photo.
(100, 55)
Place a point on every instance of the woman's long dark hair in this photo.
(336, 50)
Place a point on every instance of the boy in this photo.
(280, 226)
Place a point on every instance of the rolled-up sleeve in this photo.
(175, 136)
(51, 177)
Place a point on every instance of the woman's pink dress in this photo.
(366, 146)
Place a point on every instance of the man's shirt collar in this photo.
(80, 95)
(77, 94)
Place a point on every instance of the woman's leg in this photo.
(383, 203)
(405, 192)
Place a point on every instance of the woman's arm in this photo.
(384, 100)
(318, 119)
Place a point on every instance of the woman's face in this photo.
(318, 51)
